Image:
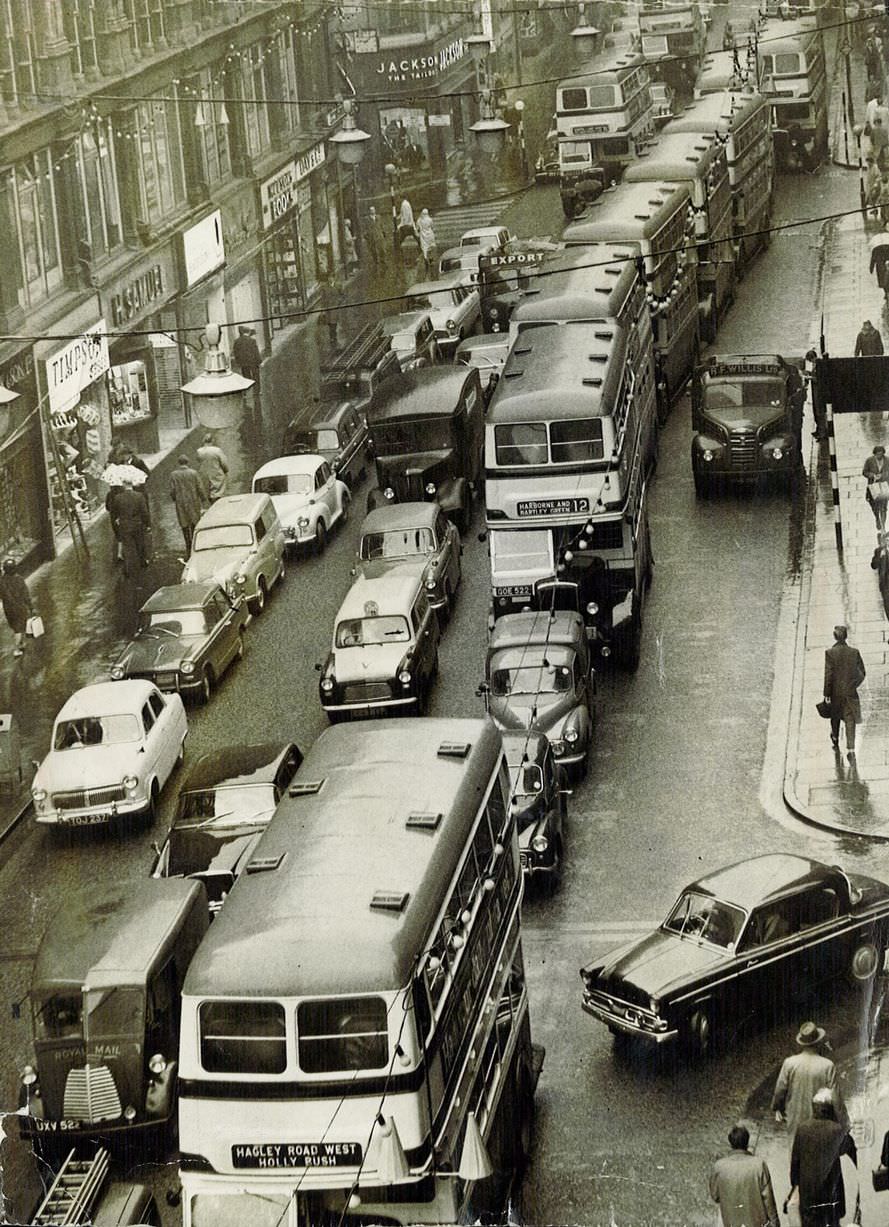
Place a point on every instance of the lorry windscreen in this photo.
(766, 394)
(404, 438)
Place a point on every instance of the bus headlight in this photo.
(405, 677)
(540, 843)
(129, 1113)
(157, 1064)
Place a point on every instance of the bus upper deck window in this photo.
(576, 440)
(520, 443)
(574, 99)
(601, 96)
(243, 1037)
(343, 1033)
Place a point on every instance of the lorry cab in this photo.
(105, 994)
(747, 417)
(427, 430)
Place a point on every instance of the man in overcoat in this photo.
(844, 672)
(742, 1185)
(801, 1076)
(815, 1167)
(188, 494)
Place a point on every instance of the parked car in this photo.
(308, 497)
(384, 656)
(538, 800)
(188, 635)
(464, 259)
(494, 238)
(338, 433)
(663, 98)
(412, 339)
(453, 306)
(225, 803)
(239, 543)
(428, 434)
(114, 746)
(410, 532)
(485, 352)
(538, 677)
(732, 945)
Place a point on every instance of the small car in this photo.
(338, 433)
(487, 353)
(384, 657)
(464, 259)
(225, 803)
(494, 238)
(408, 532)
(538, 677)
(453, 306)
(413, 339)
(308, 497)
(239, 542)
(732, 944)
(114, 746)
(538, 800)
(188, 635)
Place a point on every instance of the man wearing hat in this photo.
(246, 353)
(806, 1072)
(815, 1167)
(740, 1182)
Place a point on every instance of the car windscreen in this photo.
(426, 435)
(225, 536)
(181, 622)
(365, 632)
(704, 918)
(531, 680)
(758, 399)
(96, 731)
(397, 543)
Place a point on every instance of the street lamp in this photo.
(490, 129)
(520, 107)
(584, 36)
(217, 394)
(349, 139)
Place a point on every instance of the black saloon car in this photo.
(225, 804)
(538, 801)
(187, 637)
(733, 943)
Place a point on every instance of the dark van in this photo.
(427, 430)
(336, 432)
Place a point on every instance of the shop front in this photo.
(138, 381)
(420, 116)
(300, 235)
(25, 532)
(77, 427)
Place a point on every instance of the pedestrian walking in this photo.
(213, 466)
(876, 470)
(246, 353)
(16, 601)
(879, 139)
(329, 315)
(374, 239)
(406, 226)
(844, 672)
(187, 493)
(801, 1075)
(869, 342)
(110, 506)
(426, 237)
(880, 563)
(132, 524)
(815, 1169)
(819, 408)
(873, 183)
(350, 246)
(742, 1185)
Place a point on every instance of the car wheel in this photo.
(344, 512)
(320, 537)
(239, 650)
(206, 684)
(444, 613)
(150, 812)
(698, 1033)
(865, 963)
(180, 757)
(257, 605)
(629, 652)
(553, 880)
(703, 488)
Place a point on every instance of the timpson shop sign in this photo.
(420, 67)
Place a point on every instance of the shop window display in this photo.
(405, 141)
(75, 463)
(128, 394)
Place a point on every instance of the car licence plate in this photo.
(85, 820)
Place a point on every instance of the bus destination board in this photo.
(552, 507)
(296, 1154)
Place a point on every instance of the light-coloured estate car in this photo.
(114, 746)
(454, 307)
(308, 497)
(239, 542)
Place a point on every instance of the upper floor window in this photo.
(157, 141)
(212, 127)
(17, 75)
(281, 82)
(146, 23)
(256, 111)
(99, 220)
(80, 29)
(30, 201)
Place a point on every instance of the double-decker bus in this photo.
(657, 219)
(673, 42)
(355, 1043)
(724, 70)
(698, 160)
(793, 76)
(742, 120)
(565, 475)
(603, 118)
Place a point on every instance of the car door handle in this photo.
(752, 962)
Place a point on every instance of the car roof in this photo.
(329, 415)
(447, 281)
(762, 878)
(430, 391)
(106, 698)
(484, 232)
(175, 597)
(403, 321)
(111, 930)
(393, 593)
(484, 341)
(561, 626)
(238, 764)
(233, 509)
(285, 466)
(400, 515)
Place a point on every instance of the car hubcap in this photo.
(864, 962)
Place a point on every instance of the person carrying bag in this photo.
(17, 606)
(880, 1175)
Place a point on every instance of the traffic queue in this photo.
(550, 420)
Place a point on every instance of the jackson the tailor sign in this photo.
(419, 67)
(76, 366)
